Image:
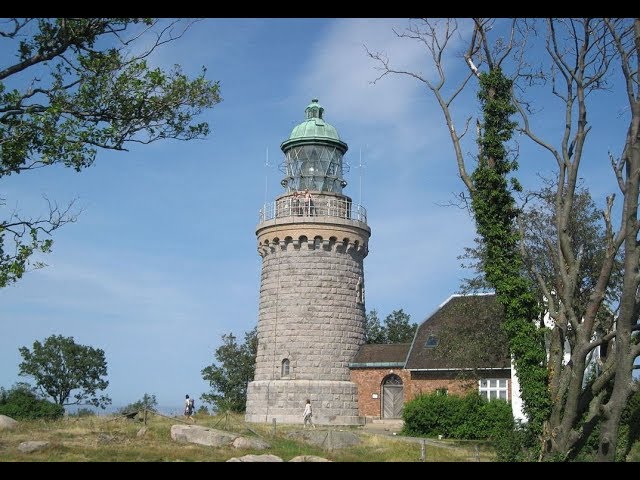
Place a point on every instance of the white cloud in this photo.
(397, 118)
(340, 74)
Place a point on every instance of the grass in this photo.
(117, 439)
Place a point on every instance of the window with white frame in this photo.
(493, 388)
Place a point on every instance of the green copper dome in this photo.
(314, 128)
(313, 155)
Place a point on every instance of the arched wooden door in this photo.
(392, 397)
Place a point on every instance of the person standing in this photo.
(307, 415)
(308, 203)
(189, 406)
(296, 208)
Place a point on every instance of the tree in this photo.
(590, 303)
(373, 331)
(396, 328)
(73, 87)
(230, 378)
(147, 402)
(60, 366)
(537, 219)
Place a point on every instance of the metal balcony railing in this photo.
(322, 207)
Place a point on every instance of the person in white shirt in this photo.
(188, 407)
(307, 415)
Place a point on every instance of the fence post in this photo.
(423, 450)
(274, 426)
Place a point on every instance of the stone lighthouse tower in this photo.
(312, 240)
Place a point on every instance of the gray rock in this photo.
(256, 458)
(32, 446)
(327, 439)
(250, 443)
(7, 423)
(202, 435)
(104, 438)
(309, 458)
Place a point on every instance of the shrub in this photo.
(519, 444)
(634, 453)
(497, 418)
(629, 433)
(470, 417)
(429, 415)
(21, 402)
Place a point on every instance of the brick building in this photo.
(457, 349)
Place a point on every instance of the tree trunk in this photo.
(628, 317)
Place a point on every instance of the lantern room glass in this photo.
(315, 167)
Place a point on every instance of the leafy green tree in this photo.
(74, 86)
(374, 333)
(147, 402)
(22, 402)
(537, 219)
(396, 328)
(230, 378)
(60, 366)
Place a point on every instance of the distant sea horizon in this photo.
(168, 410)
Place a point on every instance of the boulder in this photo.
(253, 443)
(327, 439)
(202, 435)
(256, 458)
(7, 423)
(309, 458)
(32, 446)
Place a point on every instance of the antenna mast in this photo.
(266, 177)
(360, 166)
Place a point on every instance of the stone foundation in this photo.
(333, 402)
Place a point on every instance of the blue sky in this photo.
(162, 261)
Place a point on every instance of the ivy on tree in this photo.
(495, 212)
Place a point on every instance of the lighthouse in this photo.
(311, 319)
